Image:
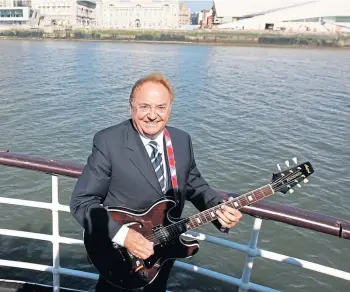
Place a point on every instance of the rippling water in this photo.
(246, 109)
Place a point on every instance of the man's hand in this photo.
(137, 245)
(228, 216)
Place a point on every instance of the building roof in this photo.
(315, 9)
(238, 8)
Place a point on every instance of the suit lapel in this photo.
(139, 157)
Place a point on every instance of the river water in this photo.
(247, 109)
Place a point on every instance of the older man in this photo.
(128, 167)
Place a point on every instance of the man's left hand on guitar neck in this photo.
(228, 216)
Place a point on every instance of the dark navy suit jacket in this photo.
(119, 173)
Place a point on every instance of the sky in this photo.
(194, 5)
(197, 5)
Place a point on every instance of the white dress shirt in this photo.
(119, 238)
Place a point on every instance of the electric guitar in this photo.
(121, 269)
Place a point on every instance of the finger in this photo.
(144, 251)
(135, 253)
(224, 218)
(233, 216)
(230, 209)
(237, 214)
(139, 253)
(147, 245)
(144, 254)
(223, 223)
(147, 252)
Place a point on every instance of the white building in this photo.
(287, 15)
(17, 12)
(137, 14)
(66, 13)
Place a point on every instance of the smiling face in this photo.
(150, 109)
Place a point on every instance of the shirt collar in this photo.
(159, 141)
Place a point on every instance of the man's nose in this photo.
(152, 114)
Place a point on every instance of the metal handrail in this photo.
(329, 225)
(263, 209)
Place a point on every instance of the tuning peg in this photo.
(305, 180)
(287, 163)
(295, 160)
(291, 191)
(278, 167)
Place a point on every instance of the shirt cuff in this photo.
(119, 238)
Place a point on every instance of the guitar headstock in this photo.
(286, 180)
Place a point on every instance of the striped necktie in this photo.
(156, 159)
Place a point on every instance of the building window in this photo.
(11, 13)
(314, 19)
(342, 19)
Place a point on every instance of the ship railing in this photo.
(260, 210)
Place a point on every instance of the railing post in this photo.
(55, 236)
(248, 266)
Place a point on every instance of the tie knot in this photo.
(153, 144)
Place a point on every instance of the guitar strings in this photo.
(160, 237)
(172, 229)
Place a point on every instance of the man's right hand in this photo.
(137, 245)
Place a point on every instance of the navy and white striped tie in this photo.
(156, 159)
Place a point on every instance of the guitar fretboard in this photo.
(210, 215)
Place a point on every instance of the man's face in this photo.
(150, 109)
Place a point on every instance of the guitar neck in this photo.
(210, 215)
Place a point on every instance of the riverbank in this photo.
(214, 37)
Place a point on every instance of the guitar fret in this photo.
(209, 215)
(200, 219)
(243, 201)
(193, 223)
(259, 194)
(205, 217)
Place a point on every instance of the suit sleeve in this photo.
(90, 191)
(199, 192)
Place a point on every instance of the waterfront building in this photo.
(286, 15)
(137, 14)
(195, 18)
(18, 12)
(206, 18)
(66, 13)
(184, 15)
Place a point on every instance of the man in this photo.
(128, 167)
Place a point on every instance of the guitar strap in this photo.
(172, 164)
